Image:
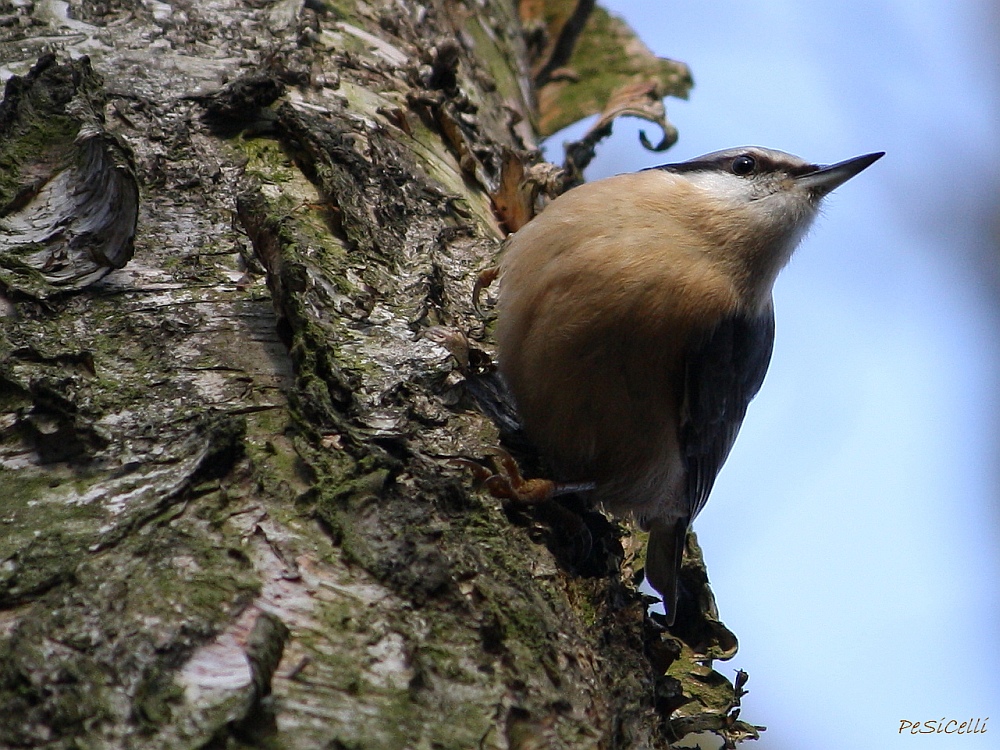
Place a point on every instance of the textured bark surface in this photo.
(231, 512)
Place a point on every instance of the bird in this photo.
(635, 323)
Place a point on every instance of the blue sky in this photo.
(853, 538)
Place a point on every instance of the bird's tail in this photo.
(663, 559)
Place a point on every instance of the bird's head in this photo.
(756, 203)
(750, 174)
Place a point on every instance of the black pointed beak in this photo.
(826, 179)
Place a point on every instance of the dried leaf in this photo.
(514, 198)
(607, 59)
(642, 99)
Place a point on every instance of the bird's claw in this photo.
(505, 481)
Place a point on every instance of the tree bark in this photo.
(231, 507)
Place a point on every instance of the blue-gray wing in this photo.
(723, 372)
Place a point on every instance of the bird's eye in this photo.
(744, 165)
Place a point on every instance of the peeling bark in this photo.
(232, 511)
(68, 199)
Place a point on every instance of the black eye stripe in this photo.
(725, 162)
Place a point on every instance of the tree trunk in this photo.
(231, 507)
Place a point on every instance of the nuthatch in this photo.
(636, 324)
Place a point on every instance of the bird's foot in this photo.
(505, 481)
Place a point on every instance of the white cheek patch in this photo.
(722, 186)
(766, 202)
